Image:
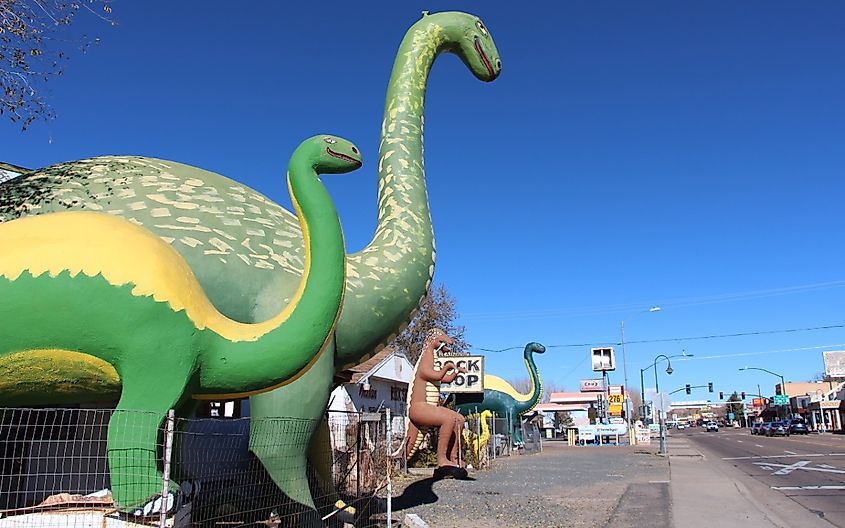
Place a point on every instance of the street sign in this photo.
(592, 385)
(757, 402)
(781, 399)
(603, 359)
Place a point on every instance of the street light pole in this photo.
(662, 416)
(625, 368)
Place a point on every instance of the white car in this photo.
(682, 426)
(712, 426)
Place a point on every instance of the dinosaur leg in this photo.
(148, 393)
(455, 447)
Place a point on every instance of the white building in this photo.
(373, 386)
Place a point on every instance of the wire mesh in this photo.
(54, 466)
(55, 469)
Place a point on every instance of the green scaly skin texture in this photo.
(387, 280)
(505, 404)
(158, 353)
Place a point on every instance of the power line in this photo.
(679, 302)
(675, 339)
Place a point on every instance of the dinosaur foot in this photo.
(453, 472)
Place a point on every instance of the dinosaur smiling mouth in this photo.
(484, 58)
(342, 156)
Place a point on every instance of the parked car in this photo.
(756, 427)
(763, 430)
(711, 426)
(780, 428)
(798, 426)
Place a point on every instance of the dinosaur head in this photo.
(468, 37)
(534, 348)
(438, 341)
(332, 154)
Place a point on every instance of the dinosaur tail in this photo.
(411, 442)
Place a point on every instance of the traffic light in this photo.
(687, 388)
(743, 395)
(710, 386)
(721, 395)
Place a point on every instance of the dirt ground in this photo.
(561, 486)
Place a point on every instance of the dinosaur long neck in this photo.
(388, 278)
(536, 386)
(299, 333)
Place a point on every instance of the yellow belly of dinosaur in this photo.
(32, 375)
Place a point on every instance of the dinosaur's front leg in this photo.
(148, 393)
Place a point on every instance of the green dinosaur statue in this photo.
(95, 306)
(500, 396)
(388, 278)
(226, 230)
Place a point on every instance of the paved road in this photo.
(808, 469)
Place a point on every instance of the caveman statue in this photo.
(424, 408)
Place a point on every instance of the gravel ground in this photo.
(562, 486)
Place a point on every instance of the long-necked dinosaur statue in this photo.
(501, 397)
(95, 306)
(225, 230)
(388, 278)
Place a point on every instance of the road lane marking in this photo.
(761, 457)
(790, 452)
(787, 469)
(740, 441)
(785, 488)
(758, 445)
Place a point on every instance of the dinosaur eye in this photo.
(330, 141)
(355, 150)
(481, 27)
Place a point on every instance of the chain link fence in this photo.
(54, 469)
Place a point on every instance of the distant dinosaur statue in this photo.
(502, 398)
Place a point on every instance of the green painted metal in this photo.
(502, 403)
(159, 353)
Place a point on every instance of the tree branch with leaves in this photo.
(34, 45)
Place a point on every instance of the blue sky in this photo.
(631, 154)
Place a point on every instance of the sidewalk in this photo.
(708, 493)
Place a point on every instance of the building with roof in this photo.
(9, 171)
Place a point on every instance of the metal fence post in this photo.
(165, 476)
(388, 450)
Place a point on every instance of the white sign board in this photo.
(470, 381)
(592, 385)
(834, 363)
(603, 359)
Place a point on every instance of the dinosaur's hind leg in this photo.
(133, 440)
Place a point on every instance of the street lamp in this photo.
(625, 365)
(782, 385)
(669, 370)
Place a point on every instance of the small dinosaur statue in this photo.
(424, 409)
(500, 396)
(478, 443)
(95, 305)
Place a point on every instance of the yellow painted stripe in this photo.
(498, 384)
(123, 254)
